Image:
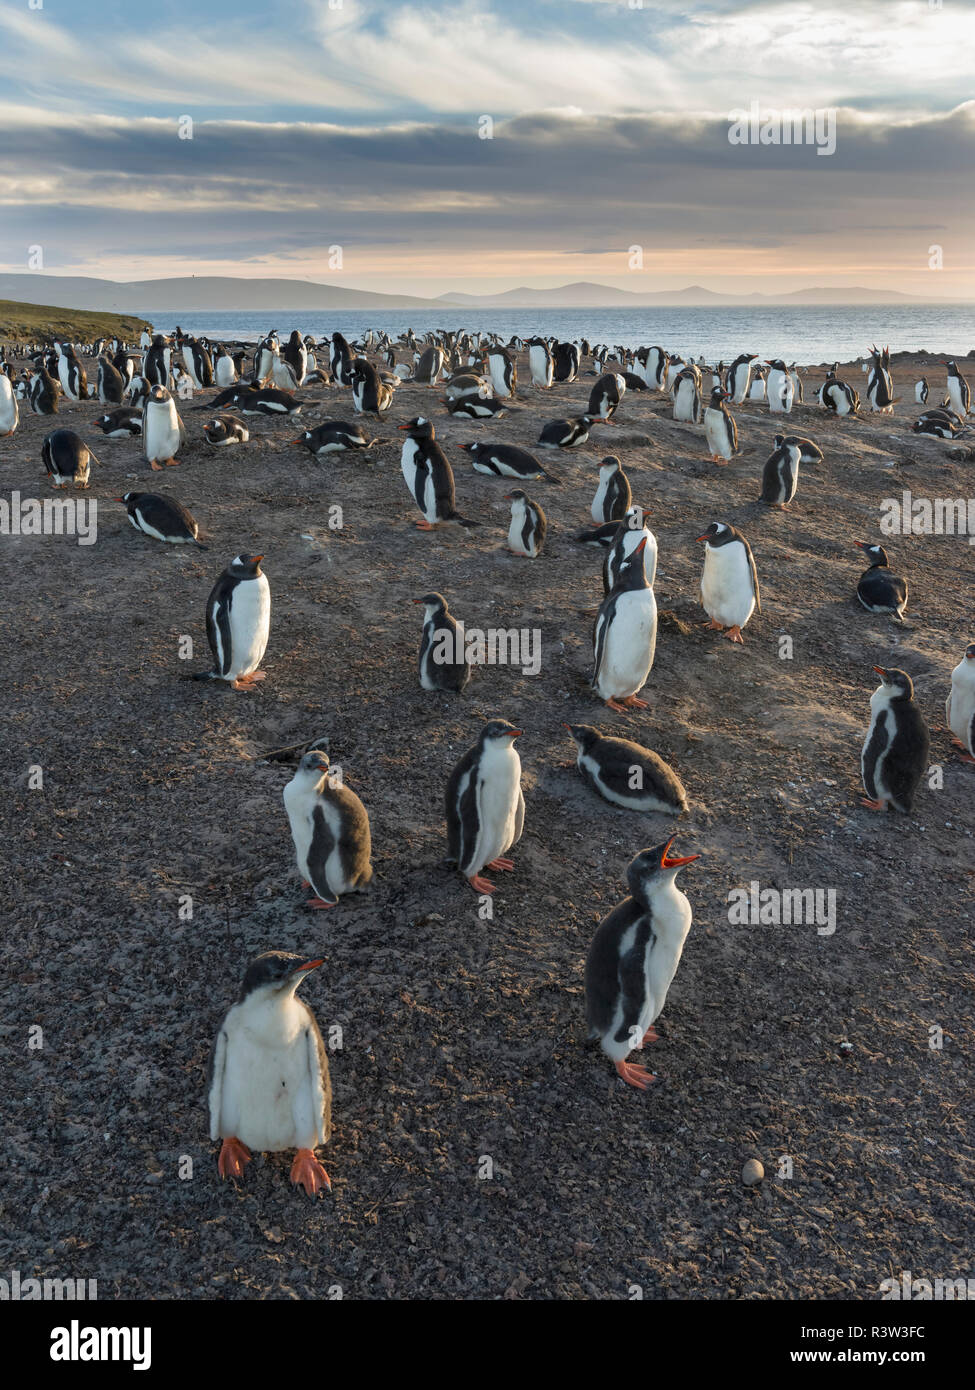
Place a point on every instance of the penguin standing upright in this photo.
(71, 374)
(162, 429)
(340, 360)
(605, 396)
(780, 476)
(67, 458)
(429, 476)
(485, 808)
(163, 518)
(625, 635)
(959, 391)
(895, 751)
(627, 774)
(197, 362)
(296, 355)
(960, 705)
(429, 365)
(526, 533)
(729, 583)
(632, 529)
(613, 494)
(686, 395)
(330, 829)
(879, 589)
(156, 365)
(224, 369)
(110, 384)
(9, 409)
(42, 393)
(268, 1084)
(264, 357)
(540, 363)
(634, 957)
(370, 395)
(720, 428)
(921, 390)
(739, 376)
(443, 662)
(503, 373)
(880, 389)
(565, 362)
(238, 619)
(781, 388)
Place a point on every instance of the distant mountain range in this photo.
(225, 293)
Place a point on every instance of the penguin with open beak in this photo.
(268, 1086)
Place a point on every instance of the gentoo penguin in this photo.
(565, 434)
(156, 363)
(895, 751)
(163, 518)
(839, 398)
(781, 388)
(654, 361)
(634, 957)
(780, 476)
(429, 476)
(526, 533)
(162, 430)
(43, 392)
(739, 376)
(605, 396)
(960, 705)
(335, 437)
(137, 392)
(124, 423)
(959, 392)
(144, 339)
(878, 589)
(71, 374)
(627, 774)
(758, 391)
(506, 461)
(921, 391)
(429, 365)
(686, 395)
(267, 400)
(197, 362)
(67, 458)
(238, 616)
(940, 424)
(264, 357)
(370, 395)
(268, 1085)
(540, 363)
(625, 635)
(613, 495)
(809, 451)
(720, 428)
(441, 642)
(476, 407)
(565, 362)
(9, 409)
(224, 369)
(330, 828)
(296, 355)
(503, 374)
(729, 583)
(224, 430)
(632, 529)
(484, 804)
(879, 385)
(110, 385)
(466, 384)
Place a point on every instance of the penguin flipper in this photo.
(633, 985)
(215, 1070)
(319, 1078)
(322, 844)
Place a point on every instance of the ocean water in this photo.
(803, 334)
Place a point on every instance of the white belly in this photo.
(268, 1099)
(161, 431)
(726, 585)
(250, 624)
(630, 646)
(961, 703)
(497, 805)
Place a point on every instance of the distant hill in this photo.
(193, 293)
(585, 294)
(46, 321)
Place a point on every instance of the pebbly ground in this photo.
(463, 1048)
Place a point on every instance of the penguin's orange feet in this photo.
(425, 525)
(156, 467)
(636, 1076)
(172, 463)
(613, 703)
(651, 1036)
(307, 1172)
(500, 864)
(233, 1156)
(253, 676)
(873, 805)
(318, 902)
(241, 683)
(965, 758)
(632, 702)
(481, 885)
(734, 634)
(956, 742)
(712, 626)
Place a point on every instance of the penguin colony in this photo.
(268, 1086)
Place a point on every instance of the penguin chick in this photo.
(485, 808)
(441, 644)
(895, 751)
(330, 829)
(879, 589)
(627, 774)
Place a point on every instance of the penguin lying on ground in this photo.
(440, 644)
(330, 829)
(960, 705)
(626, 774)
(485, 807)
(67, 458)
(879, 589)
(506, 461)
(895, 751)
(334, 437)
(163, 518)
(224, 430)
(565, 434)
(238, 619)
(633, 959)
(268, 1084)
(729, 583)
(124, 423)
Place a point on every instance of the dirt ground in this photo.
(463, 1045)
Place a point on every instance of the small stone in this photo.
(752, 1173)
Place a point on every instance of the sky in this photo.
(318, 124)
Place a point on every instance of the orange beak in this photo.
(311, 964)
(702, 538)
(515, 733)
(666, 863)
(880, 671)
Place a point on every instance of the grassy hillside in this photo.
(44, 321)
